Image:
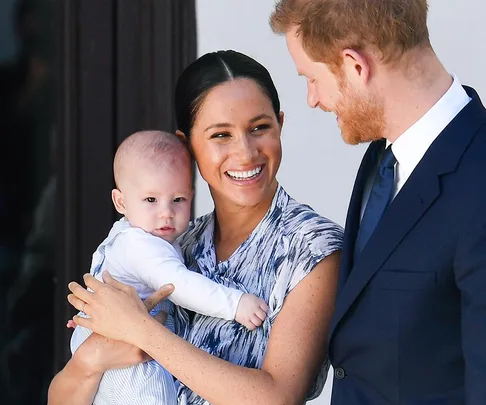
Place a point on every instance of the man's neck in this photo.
(409, 95)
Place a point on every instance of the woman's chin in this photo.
(246, 198)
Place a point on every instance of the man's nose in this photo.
(312, 99)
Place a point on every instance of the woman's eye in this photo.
(260, 128)
(150, 199)
(179, 199)
(220, 135)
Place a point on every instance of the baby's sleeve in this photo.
(155, 262)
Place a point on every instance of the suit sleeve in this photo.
(470, 273)
(155, 262)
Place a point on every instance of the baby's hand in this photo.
(71, 324)
(251, 311)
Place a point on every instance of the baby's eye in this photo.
(179, 199)
(151, 199)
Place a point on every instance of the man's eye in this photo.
(150, 199)
(179, 199)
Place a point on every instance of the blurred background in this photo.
(78, 76)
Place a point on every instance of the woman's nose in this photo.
(246, 149)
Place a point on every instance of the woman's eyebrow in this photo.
(219, 125)
(227, 124)
(259, 117)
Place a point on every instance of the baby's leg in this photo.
(147, 383)
(79, 335)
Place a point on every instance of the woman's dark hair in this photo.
(209, 71)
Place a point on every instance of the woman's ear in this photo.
(118, 201)
(281, 119)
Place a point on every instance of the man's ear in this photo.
(118, 201)
(356, 67)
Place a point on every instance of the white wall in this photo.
(317, 167)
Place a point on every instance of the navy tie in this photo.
(380, 196)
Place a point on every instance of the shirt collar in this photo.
(410, 147)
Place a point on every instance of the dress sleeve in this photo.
(309, 247)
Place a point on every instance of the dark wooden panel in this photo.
(155, 41)
(68, 257)
(133, 61)
(86, 145)
(96, 123)
(175, 46)
(119, 63)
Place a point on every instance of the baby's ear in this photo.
(118, 201)
(181, 135)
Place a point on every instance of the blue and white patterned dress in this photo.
(289, 241)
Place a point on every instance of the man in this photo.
(410, 320)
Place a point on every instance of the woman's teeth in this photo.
(248, 175)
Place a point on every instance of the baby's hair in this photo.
(154, 148)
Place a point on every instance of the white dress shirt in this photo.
(410, 147)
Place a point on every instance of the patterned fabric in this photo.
(289, 241)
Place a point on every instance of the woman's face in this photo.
(236, 143)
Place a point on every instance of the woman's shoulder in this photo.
(302, 220)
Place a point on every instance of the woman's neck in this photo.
(235, 223)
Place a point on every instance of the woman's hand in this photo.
(114, 309)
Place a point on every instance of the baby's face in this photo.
(158, 200)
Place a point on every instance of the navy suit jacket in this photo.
(409, 326)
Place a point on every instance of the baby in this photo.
(153, 177)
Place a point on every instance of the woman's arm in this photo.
(301, 328)
(78, 382)
(73, 385)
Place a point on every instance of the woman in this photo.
(258, 239)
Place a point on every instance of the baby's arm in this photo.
(155, 262)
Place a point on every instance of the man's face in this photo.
(359, 116)
(322, 85)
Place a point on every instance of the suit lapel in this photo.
(417, 195)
